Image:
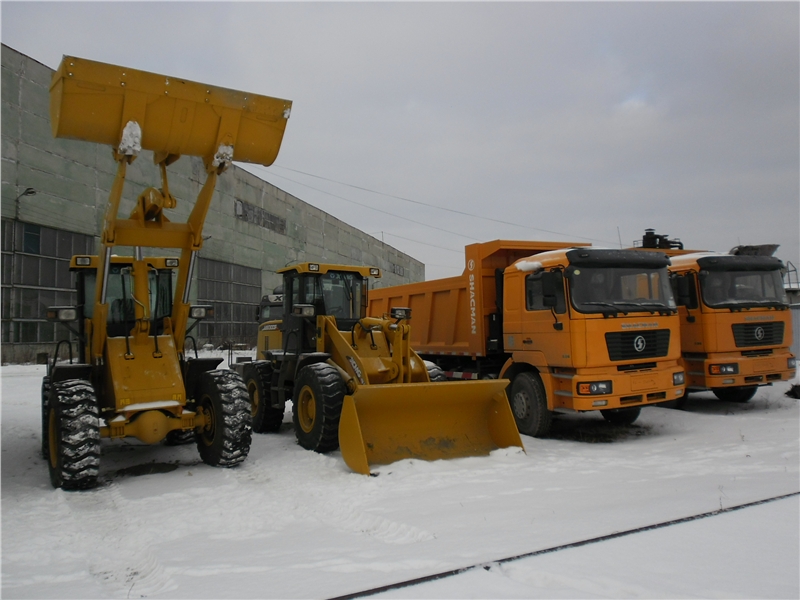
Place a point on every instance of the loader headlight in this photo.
(62, 313)
(83, 261)
(594, 388)
(731, 369)
(373, 272)
(313, 267)
(678, 378)
(171, 263)
(303, 310)
(201, 312)
(400, 313)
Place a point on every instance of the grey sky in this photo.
(558, 121)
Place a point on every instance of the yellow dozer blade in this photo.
(381, 424)
(93, 101)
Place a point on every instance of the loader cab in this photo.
(271, 306)
(312, 289)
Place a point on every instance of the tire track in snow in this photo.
(118, 554)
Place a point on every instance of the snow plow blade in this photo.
(94, 101)
(381, 424)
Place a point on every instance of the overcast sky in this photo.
(438, 125)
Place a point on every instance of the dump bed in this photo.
(93, 101)
(460, 315)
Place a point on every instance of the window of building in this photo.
(234, 291)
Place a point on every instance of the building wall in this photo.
(251, 223)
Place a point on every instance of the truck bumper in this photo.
(627, 389)
(749, 370)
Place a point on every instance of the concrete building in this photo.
(54, 197)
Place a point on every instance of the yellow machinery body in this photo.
(390, 410)
(132, 335)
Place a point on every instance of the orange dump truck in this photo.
(573, 328)
(736, 326)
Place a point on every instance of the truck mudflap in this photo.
(381, 424)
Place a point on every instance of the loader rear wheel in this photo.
(224, 440)
(435, 372)
(179, 437)
(621, 416)
(318, 396)
(73, 435)
(258, 379)
(736, 394)
(45, 424)
(529, 405)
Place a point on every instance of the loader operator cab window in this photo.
(119, 296)
(620, 289)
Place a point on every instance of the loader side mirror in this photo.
(62, 314)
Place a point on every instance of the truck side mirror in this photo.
(549, 289)
(684, 293)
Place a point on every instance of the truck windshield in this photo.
(620, 289)
(742, 289)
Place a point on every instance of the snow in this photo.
(289, 523)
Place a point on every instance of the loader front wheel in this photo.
(258, 379)
(224, 439)
(73, 435)
(318, 396)
(529, 405)
(435, 372)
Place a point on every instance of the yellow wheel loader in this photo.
(132, 377)
(356, 384)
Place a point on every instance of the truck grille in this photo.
(758, 334)
(630, 345)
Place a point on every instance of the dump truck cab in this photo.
(356, 384)
(735, 322)
(598, 327)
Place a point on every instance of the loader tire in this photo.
(73, 431)
(529, 405)
(224, 440)
(736, 394)
(317, 407)
(435, 372)
(621, 416)
(258, 380)
(45, 425)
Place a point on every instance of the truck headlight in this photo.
(678, 378)
(791, 363)
(731, 369)
(594, 388)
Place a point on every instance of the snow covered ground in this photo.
(289, 523)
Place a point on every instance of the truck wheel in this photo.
(224, 440)
(736, 394)
(258, 380)
(621, 416)
(435, 373)
(529, 405)
(45, 425)
(73, 435)
(318, 396)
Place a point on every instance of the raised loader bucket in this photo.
(94, 101)
(381, 424)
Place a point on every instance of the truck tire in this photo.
(45, 425)
(736, 394)
(621, 416)
(529, 405)
(317, 407)
(73, 431)
(224, 441)
(435, 373)
(258, 380)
